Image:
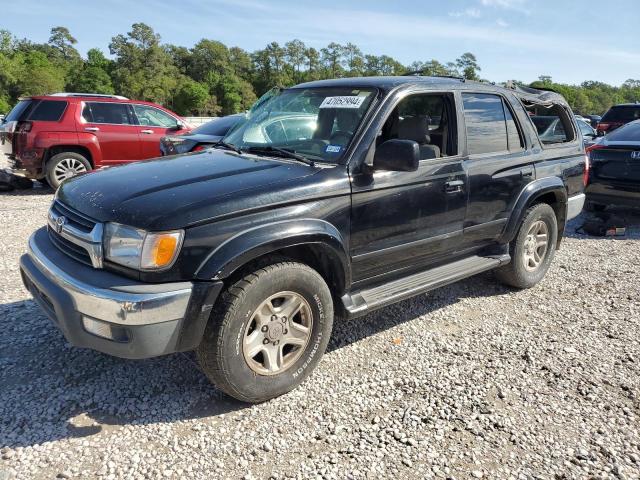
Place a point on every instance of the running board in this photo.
(363, 301)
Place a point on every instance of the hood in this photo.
(175, 192)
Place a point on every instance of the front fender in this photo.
(534, 190)
(258, 241)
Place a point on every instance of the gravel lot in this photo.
(469, 381)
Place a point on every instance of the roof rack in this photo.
(97, 95)
(421, 72)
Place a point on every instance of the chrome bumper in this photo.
(575, 204)
(150, 319)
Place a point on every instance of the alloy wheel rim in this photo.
(67, 168)
(536, 245)
(277, 333)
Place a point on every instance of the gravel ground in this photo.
(469, 381)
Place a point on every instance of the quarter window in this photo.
(153, 117)
(112, 113)
(48, 111)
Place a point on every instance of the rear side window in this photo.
(486, 123)
(112, 113)
(627, 133)
(218, 127)
(48, 110)
(622, 113)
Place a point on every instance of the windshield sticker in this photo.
(342, 102)
(333, 149)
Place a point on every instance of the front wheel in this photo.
(65, 165)
(267, 332)
(533, 248)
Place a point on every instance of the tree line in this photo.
(213, 79)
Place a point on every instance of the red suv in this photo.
(55, 137)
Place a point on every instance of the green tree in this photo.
(37, 75)
(93, 75)
(467, 64)
(192, 98)
(143, 69)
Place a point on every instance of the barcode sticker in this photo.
(342, 102)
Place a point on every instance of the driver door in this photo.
(406, 221)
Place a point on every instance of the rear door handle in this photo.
(526, 173)
(146, 131)
(453, 186)
(92, 129)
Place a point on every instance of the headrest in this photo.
(414, 128)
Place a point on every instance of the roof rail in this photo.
(97, 95)
(421, 72)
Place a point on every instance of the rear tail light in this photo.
(198, 148)
(587, 167)
(603, 126)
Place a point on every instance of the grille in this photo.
(81, 228)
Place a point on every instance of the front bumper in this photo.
(142, 320)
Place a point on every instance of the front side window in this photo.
(317, 123)
(111, 113)
(424, 119)
(153, 117)
(485, 119)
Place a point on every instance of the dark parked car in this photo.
(246, 251)
(594, 120)
(55, 137)
(617, 116)
(201, 137)
(615, 169)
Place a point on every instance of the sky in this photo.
(513, 39)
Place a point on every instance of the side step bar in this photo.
(364, 301)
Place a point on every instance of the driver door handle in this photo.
(146, 131)
(92, 129)
(453, 186)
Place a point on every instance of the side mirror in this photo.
(397, 156)
(178, 126)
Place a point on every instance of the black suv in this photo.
(246, 252)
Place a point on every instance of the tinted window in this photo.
(114, 113)
(629, 133)
(622, 114)
(153, 117)
(514, 138)
(484, 116)
(218, 127)
(553, 123)
(20, 111)
(48, 110)
(584, 128)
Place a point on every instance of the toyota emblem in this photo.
(60, 221)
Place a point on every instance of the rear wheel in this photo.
(65, 165)
(533, 248)
(267, 332)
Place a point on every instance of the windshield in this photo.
(20, 111)
(316, 123)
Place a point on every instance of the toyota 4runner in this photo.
(246, 252)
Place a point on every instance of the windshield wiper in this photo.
(227, 146)
(281, 152)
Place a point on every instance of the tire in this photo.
(226, 353)
(65, 165)
(520, 272)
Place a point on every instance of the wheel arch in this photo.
(549, 190)
(313, 242)
(56, 149)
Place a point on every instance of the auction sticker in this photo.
(333, 149)
(342, 102)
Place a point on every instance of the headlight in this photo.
(139, 249)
